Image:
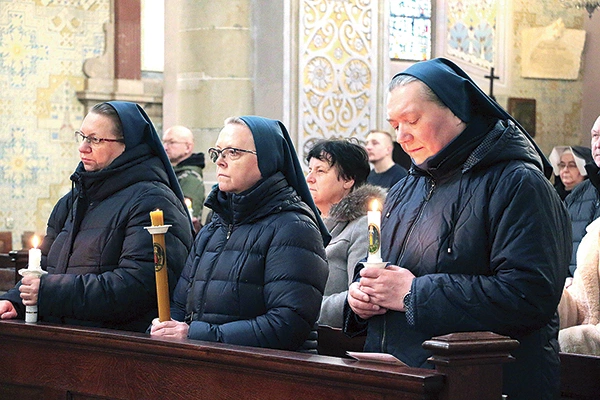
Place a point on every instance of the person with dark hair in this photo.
(99, 257)
(380, 149)
(256, 273)
(337, 176)
(568, 164)
(476, 238)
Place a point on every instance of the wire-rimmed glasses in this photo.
(229, 153)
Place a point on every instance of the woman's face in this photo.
(98, 156)
(326, 186)
(239, 172)
(569, 173)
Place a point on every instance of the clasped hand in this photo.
(169, 329)
(379, 290)
(30, 286)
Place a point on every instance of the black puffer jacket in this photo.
(488, 240)
(584, 207)
(99, 256)
(257, 271)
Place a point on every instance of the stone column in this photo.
(208, 67)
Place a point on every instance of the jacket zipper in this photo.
(410, 231)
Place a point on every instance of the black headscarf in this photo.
(138, 129)
(276, 153)
(463, 97)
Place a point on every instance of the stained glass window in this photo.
(410, 29)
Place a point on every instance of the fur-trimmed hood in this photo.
(356, 203)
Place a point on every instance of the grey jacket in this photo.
(347, 223)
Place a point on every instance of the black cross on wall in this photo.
(491, 77)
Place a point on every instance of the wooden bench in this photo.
(57, 362)
(579, 376)
(10, 263)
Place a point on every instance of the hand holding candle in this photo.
(158, 230)
(33, 269)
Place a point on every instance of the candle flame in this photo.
(375, 205)
(35, 241)
(188, 202)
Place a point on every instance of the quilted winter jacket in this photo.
(106, 277)
(257, 271)
(488, 239)
(584, 207)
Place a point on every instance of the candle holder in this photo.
(31, 312)
(158, 230)
(371, 264)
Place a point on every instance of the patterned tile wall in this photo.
(338, 62)
(43, 44)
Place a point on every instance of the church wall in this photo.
(42, 48)
(558, 102)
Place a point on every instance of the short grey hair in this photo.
(428, 94)
(235, 121)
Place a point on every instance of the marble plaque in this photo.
(552, 52)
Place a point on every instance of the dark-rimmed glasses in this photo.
(93, 140)
(229, 153)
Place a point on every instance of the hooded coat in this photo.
(347, 223)
(486, 236)
(99, 257)
(257, 270)
(584, 207)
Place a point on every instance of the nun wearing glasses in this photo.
(98, 256)
(257, 270)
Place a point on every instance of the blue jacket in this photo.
(584, 207)
(488, 239)
(257, 271)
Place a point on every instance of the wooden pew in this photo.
(57, 362)
(7, 272)
(579, 376)
(10, 263)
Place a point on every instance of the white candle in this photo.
(34, 268)
(188, 204)
(35, 256)
(374, 221)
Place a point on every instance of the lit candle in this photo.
(188, 204)
(34, 268)
(160, 264)
(374, 221)
(35, 255)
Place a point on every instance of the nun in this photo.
(257, 270)
(474, 236)
(99, 257)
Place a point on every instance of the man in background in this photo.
(380, 148)
(179, 145)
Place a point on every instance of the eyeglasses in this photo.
(93, 140)
(570, 165)
(229, 153)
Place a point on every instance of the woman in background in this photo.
(338, 171)
(568, 163)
